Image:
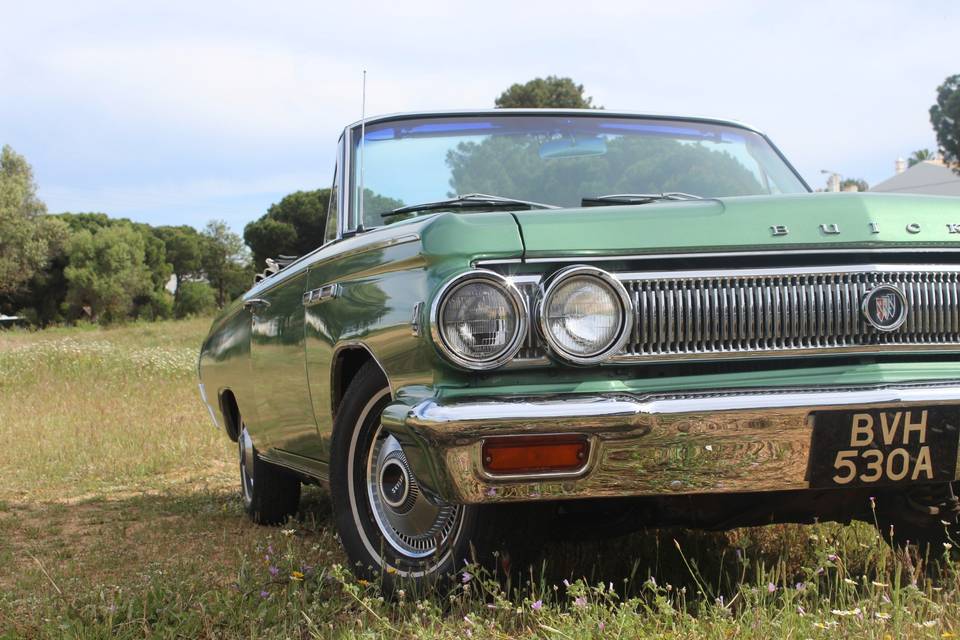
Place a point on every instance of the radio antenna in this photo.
(363, 142)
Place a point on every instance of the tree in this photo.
(106, 272)
(945, 117)
(631, 164)
(544, 93)
(225, 261)
(293, 226)
(184, 252)
(196, 298)
(918, 156)
(27, 235)
(861, 185)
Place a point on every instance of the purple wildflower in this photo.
(801, 586)
(466, 577)
(833, 557)
(536, 606)
(601, 626)
(771, 587)
(264, 594)
(273, 571)
(580, 602)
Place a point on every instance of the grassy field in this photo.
(119, 517)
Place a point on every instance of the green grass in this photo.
(119, 518)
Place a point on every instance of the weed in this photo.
(119, 518)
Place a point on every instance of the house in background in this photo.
(932, 177)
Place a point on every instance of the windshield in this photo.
(560, 160)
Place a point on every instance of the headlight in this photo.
(585, 315)
(479, 320)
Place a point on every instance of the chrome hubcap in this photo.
(246, 464)
(411, 523)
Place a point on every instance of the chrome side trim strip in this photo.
(729, 254)
(206, 403)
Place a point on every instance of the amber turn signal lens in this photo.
(534, 454)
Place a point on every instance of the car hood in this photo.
(788, 222)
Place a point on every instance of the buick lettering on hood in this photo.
(521, 323)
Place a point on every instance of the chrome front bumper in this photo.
(720, 442)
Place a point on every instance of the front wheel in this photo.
(387, 524)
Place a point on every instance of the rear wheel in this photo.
(388, 525)
(270, 494)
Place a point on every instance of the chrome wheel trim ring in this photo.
(441, 553)
(415, 526)
(245, 445)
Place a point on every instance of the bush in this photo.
(158, 305)
(196, 298)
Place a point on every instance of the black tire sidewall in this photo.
(276, 493)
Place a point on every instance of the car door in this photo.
(284, 410)
(278, 352)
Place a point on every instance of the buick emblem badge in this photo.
(885, 308)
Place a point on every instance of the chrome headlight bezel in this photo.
(511, 293)
(620, 294)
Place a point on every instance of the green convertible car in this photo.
(588, 320)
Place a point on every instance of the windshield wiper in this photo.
(470, 201)
(636, 198)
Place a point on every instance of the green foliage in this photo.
(945, 117)
(375, 204)
(630, 165)
(918, 156)
(156, 305)
(225, 261)
(106, 271)
(184, 251)
(860, 184)
(544, 93)
(27, 235)
(293, 226)
(196, 298)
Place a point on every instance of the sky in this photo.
(181, 112)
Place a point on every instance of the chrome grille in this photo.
(757, 312)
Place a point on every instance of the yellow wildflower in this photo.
(296, 575)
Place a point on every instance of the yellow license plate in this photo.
(883, 446)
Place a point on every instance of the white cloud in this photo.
(184, 103)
